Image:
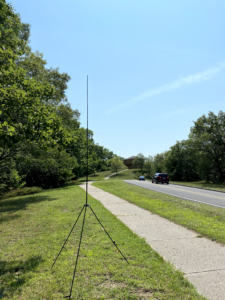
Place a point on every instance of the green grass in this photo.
(135, 173)
(129, 174)
(203, 185)
(33, 229)
(102, 175)
(97, 176)
(207, 220)
(22, 192)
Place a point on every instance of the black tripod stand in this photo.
(86, 205)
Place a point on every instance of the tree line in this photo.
(41, 140)
(200, 157)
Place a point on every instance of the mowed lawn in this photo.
(135, 173)
(96, 176)
(202, 185)
(33, 229)
(207, 220)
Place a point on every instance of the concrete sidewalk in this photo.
(201, 260)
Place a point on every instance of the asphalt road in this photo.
(216, 199)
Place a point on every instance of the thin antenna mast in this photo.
(86, 205)
(87, 149)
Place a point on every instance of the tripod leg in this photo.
(108, 234)
(68, 237)
(74, 273)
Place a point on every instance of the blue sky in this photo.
(154, 67)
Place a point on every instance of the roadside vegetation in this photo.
(53, 153)
(33, 229)
(206, 220)
(199, 158)
(133, 174)
(203, 185)
(22, 192)
(128, 174)
(96, 176)
(41, 140)
(43, 146)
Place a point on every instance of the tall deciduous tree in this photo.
(159, 162)
(116, 164)
(149, 166)
(208, 133)
(35, 67)
(45, 167)
(139, 161)
(13, 36)
(23, 116)
(181, 161)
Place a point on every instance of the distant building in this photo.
(128, 162)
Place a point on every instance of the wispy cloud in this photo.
(198, 77)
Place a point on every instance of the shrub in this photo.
(9, 178)
(46, 168)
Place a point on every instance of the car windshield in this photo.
(163, 175)
(142, 177)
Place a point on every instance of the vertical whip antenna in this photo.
(87, 148)
(85, 207)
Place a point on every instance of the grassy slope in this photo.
(202, 185)
(102, 175)
(129, 174)
(208, 221)
(97, 176)
(135, 173)
(33, 229)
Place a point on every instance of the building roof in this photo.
(132, 157)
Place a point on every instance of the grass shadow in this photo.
(8, 218)
(15, 204)
(13, 274)
(84, 180)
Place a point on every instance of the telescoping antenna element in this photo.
(86, 205)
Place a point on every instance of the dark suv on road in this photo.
(160, 177)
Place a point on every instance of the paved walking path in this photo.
(201, 260)
(115, 174)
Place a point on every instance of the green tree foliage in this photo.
(149, 166)
(40, 135)
(139, 161)
(23, 116)
(93, 163)
(159, 162)
(45, 167)
(35, 67)
(116, 164)
(69, 117)
(13, 36)
(102, 155)
(10, 178)
(202, 156)
(181, 161)
(208, 133)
